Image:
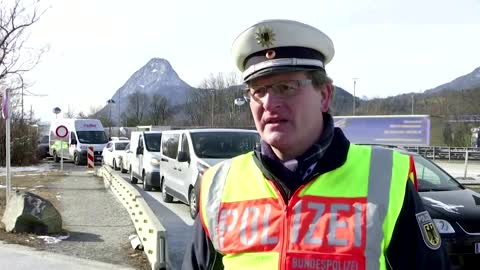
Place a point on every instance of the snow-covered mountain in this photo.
(465, 82)
(155, 77)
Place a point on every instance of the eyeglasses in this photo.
(283, 89)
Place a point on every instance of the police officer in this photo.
(307, 199)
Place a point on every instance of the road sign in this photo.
(61, 131)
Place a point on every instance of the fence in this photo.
(447, 153)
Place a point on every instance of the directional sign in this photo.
(61, 131)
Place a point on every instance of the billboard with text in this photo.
(386, 129)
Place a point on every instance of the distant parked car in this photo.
(124, 159)
(112, 151)
(42, 147)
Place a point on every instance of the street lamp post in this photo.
(354, 86)
(56, 111)
(110, 102)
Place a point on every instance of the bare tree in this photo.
(137, 104)
(82, 115)
(213, 104)
(160, 109)
(15, 57)
(70, 113)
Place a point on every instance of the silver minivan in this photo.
(186, 154)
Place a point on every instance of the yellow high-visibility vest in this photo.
(343, 219)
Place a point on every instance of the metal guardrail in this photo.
(151, 232)
(443, 152)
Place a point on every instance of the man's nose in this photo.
(271, 101)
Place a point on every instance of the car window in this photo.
(152, 141)
(185, 147)
(428, 175)
(92, 137)
(223, 144)
(121, 145)
(170, 145)
(432, 178)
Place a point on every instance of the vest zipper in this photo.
(282, 263)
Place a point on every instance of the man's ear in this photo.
(327, 96)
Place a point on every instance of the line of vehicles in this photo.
(173, 161)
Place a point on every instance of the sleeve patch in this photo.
(430, 234)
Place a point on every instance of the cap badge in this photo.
(270, 54)
(265, 37)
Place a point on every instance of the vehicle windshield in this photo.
(223, 144)
(121, 145)
(152, 141)
(92, 136)
(432, 178)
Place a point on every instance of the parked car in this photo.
(145, 158)
(42, 147)
(454, 209)
(186, 154)
(124, 160)
(112, 151)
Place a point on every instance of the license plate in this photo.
(477, 248)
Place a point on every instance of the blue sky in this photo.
(393, 47)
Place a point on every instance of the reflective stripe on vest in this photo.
(255, 220)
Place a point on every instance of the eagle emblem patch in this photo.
(430, 234)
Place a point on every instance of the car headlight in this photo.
(443, 226)
(83, 147)
(154, 162)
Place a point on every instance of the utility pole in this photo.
(354, 97)
(213, 105)
(413, 102)
(119, 111)
(110, 102)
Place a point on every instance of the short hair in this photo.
(320, 78)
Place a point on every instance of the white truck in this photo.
(81, 134)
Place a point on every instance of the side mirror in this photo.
(139, 150)
(182, 157)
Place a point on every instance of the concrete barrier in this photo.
(151, 232)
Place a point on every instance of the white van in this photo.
(144, 158)
(81, 134)
(186, 154)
